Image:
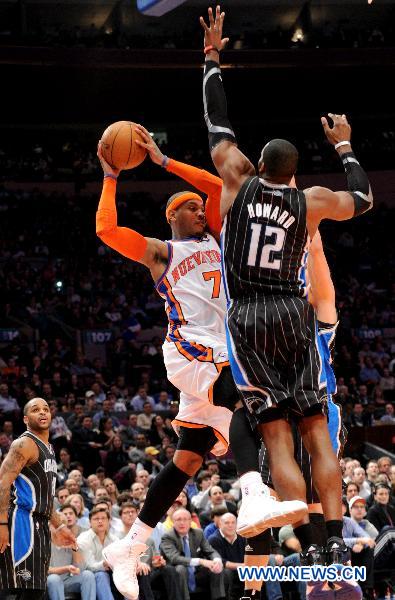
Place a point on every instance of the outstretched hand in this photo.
(107, 168)
(213, 31)
(339, 132)
(150, 145)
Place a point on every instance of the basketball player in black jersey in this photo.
(272, 328)
(27, 489)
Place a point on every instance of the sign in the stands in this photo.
(97, 336)
(7, 335)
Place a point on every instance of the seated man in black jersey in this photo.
(272, 337)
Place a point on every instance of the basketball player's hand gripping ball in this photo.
(149, 144)
(213, 31)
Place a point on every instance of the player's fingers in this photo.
(211, 16)
(224, 42)
(324, 123)
(203, 24)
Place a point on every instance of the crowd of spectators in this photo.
(75, 161)
(332, 34)
(111, 415)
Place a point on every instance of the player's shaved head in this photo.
(279, 159)
(31, 403)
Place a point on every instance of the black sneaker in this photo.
(336, 552)
(314, 555)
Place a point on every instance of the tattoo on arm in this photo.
(17, 457)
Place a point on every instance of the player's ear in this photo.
(25, 419)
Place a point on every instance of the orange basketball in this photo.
(119, 147)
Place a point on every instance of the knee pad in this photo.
(200, 441)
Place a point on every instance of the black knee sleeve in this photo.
(243, 443)
(259, 545)
(225, 392)
(162, 492)
(200, 441)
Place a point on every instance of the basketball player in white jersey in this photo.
(187, 274)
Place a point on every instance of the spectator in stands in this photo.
(91, 544)
(359, 477)
(75, 418)
(357, 509)
(105, 412)
(151, 464)
(158, 431)
(116, 457)
(213, 527)
(230, 546)
(138, 491)
(384, 464)
(387, 384)
(137, 451)
(8, 430)
(389, 417)
(112, 490)
(128, 432)
(62, 493)
(163, 403)
(359, 418)
(105, 503)
(66, 573)
(196, 570)
(59, 434)
(86, 444)
(5, 443)
(382, 513)
(217, 500)
(77, 502)
(71, 516)
(369, 374)
(92, 483)
(372, 470)
(72, 485)
(106, 433)
(144, 419)
(201, 501)
(9, 407)
(100, 395)
(138, 401)
(63, 465)
(351, 490)
(143, 477)
(361, 546)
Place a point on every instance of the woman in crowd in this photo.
(63, 466)
(106, 432)
(382, 513)
(116, 458)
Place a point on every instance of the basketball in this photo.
(119, 146)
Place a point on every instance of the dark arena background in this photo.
(79, 324)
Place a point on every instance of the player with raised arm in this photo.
(27, 489)
(186, 271)
(271, 327)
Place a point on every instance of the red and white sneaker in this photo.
(259, 511)
(123, 558)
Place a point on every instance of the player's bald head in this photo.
(33, 402)
(279, 159)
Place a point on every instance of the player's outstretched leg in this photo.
(124, 554)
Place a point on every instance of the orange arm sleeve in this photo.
(126, 241)
(208, 184)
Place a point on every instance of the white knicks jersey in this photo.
(193, 289)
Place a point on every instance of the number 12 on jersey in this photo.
(275, 244)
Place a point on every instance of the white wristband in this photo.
(345, 143)
(61, 526)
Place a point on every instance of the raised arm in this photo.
(323, 203)
(202, 180)
(322, 291)
(150, 252)
(232, 165)
(22, 452)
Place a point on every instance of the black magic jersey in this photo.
(264, 241)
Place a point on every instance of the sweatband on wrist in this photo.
(344, 143)
(208, 49)
(61, 526)
(165, 161)
(358, 184)
(111, 176)
(215, 106)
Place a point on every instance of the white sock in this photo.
(139, 532)
(251, 483)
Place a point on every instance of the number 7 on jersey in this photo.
(216, 277)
